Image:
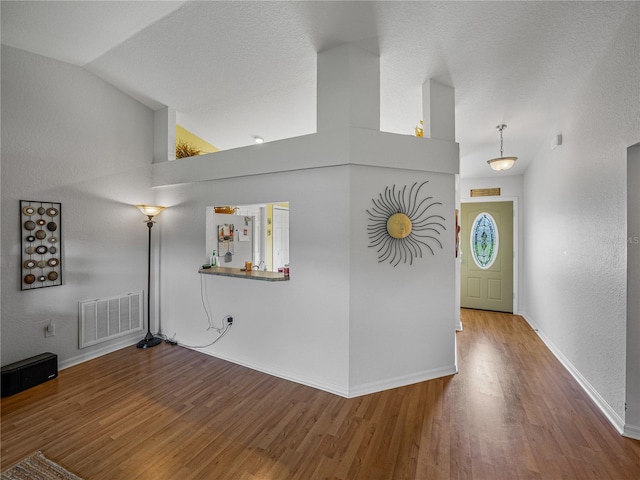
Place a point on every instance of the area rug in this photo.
(38, 467)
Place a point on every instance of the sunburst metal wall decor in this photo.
(401, 224)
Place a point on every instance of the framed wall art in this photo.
(40, 245)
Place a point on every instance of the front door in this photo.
(486, 246)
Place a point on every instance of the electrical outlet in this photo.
(50, 330)
(229, 319)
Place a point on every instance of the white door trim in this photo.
(516, 250)
(279, 208)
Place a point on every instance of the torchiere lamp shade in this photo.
(150, 210)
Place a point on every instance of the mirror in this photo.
(257, 233)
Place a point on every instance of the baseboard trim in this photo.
(632, 431)
(309, 382)
(70, 362)
(615, 419)
(402, 381)
(340, 390)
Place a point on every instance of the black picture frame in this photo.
(40, 244)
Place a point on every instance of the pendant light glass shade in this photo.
(502, 162)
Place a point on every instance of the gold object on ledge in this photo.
(225, 210)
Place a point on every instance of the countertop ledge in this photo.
(241, 273)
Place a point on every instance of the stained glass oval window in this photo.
(484, 240)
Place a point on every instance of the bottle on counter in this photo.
(214, 258)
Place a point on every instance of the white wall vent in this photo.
(103, 319)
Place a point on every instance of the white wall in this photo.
(69, 137)
(402, 327)
(632, 420)
(510, 186)
(297, 329)
(344, 322)
(321, 327)
(575, 225)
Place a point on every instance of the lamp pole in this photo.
(149, 340)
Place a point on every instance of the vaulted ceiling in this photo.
(235, 69)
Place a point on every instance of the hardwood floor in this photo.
(512, 412)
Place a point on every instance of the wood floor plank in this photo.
(513, 412)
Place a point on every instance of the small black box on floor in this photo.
(28, 373)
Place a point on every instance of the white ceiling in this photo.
(235, 69)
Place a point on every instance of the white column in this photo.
(348, 92)
(438, 111)
(164, 135)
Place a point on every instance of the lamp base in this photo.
(149, 341)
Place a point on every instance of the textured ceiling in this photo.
(237, 69)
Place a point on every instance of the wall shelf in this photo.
(241, 273)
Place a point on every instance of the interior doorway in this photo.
(280, 237)
(632, 414)
(487, 255)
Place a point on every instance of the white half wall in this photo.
(297, 329)
(321, 328)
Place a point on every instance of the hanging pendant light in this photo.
(502, 162)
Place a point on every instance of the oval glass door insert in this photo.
(484, 240)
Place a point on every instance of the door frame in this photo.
(516, 241)
(273, 242)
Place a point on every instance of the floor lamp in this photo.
(149, 340)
